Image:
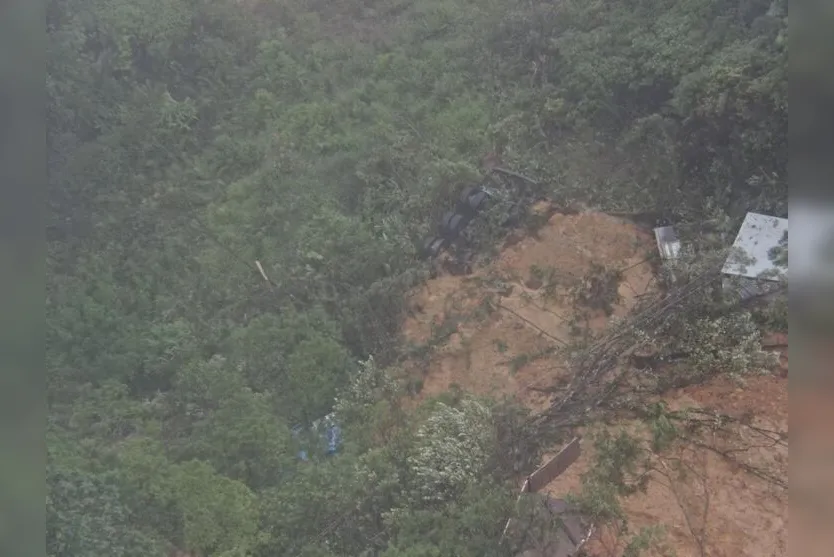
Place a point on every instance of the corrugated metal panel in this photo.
(555, 466)
(756, 237)
(668, 243)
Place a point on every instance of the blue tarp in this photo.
(334, 438)
(326, 429)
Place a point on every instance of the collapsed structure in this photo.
(753, 268)
(571, 529)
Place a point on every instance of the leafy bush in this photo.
(451, 449)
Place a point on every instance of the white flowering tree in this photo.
(368, 383)
(452, 448)
(368, 409)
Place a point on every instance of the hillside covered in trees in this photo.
(238, 193)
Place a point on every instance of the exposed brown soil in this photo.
(503, 319)
(715, 507)
(498, 331)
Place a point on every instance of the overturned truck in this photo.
(472, 201)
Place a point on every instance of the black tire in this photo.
(433, 246)
(438, 246)
(452, 224)
(467, 193)
(471, 199)
(477, 200)
(448, 225)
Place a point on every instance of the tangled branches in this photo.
(592, 385)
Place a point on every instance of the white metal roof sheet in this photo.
(756, 237)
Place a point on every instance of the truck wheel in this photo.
(472, 198)
(432, 246)
(451, 225)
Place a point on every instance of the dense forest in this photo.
(238, 191)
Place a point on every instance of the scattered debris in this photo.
(324, 429)
(747, 513)
(571, 530)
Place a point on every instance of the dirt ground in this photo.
(502, 331)
(501, 321)
(707, 504)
